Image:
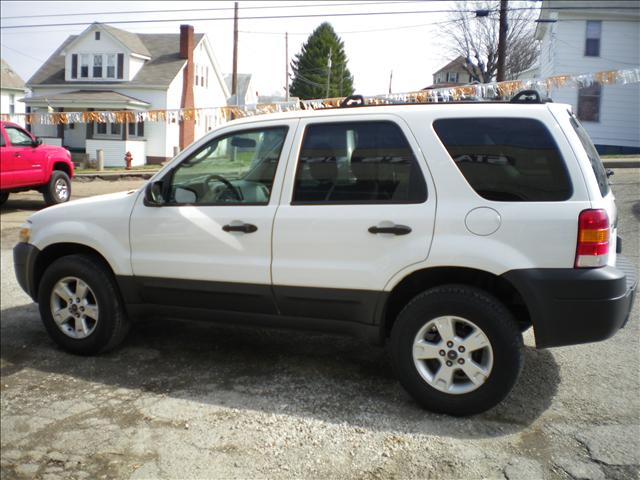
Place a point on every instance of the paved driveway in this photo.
(186, 400)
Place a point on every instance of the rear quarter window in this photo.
(506, 159)
(596, 164)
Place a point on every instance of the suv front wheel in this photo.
(456, 349)
(80, 305)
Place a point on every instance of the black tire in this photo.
(4, 196)
(52, 193)
(112, 325)
(483, 310)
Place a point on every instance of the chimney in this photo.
(187, 127)
(186, 42)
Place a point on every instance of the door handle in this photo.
(17, 155)
(395, 230)
(242, 227)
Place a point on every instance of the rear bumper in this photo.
(24, 263)
(571, 306)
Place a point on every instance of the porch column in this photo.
(89, 129)
(60, 126)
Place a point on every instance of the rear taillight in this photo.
(593, 239)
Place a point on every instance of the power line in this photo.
(262, 7)
(400, 27)
(22, 53)
(265, 17)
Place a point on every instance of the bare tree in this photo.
(475, 38)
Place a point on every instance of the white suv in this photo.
(447, 229)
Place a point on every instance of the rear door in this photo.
(357, 207)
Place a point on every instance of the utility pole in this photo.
(286, 62)
(234, 75)
(502, 40)
(328, 72)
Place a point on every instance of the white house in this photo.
(246, 93)
(11, 90)
(577, 39)
(105, 68)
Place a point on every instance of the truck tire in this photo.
(81, 307)
(4, 196)
(456, 349)
(58, 190)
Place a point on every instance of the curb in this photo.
(115, 175)
(144, 174)
(614, 163)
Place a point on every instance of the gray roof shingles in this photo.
(9, 79)
(161, 69)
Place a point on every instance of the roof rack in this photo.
(525, 96)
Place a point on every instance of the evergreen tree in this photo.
(311, 66)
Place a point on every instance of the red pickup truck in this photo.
(27, 164)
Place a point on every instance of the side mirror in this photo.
(153, 194)
(36, 142)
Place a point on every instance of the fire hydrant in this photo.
(127, 159)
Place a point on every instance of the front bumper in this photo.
(571, 306)
(24, 264)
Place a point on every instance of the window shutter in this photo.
(120, 65)
(141, 129)
(74, 65)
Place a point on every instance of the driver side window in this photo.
(236, 169)
(17, 137)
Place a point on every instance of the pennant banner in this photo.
(218, 115)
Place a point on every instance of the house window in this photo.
(452, 77)
(111, 66)
(84, 66)
(197, 70)
(116, 129)
(12, 104)
(97, 66)
(207, 81)
(592, 45)
(136, 129)
(101, 128)
(97, 35)
(589, 103)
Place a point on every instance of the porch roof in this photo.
(97, 99)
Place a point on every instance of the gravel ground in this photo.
(187, 400)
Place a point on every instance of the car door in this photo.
(208, 244)
(358, 207)
(21, 162)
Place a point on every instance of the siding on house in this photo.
(562, 51)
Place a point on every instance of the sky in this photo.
(408, 44)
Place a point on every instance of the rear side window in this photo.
(506, 159)
(354, 163)
(598, 169)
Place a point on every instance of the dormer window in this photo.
(111, 65)
(97, 35)
(97, 66)
(84, 66)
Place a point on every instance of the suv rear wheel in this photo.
(80, 305)
(456, 349)
(58, 190)
(4, 196)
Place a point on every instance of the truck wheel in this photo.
(81, 307)
(58, 190)
(4, 196)
(456, 349)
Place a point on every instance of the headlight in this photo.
(25, 232)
